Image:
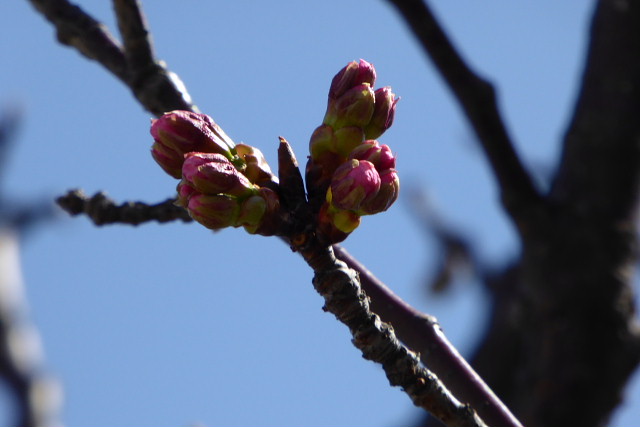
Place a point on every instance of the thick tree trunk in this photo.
(578, 337)
(563, 339)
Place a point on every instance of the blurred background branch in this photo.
(35, 393)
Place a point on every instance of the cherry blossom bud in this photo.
(257, 169)
(383, 113)
(334, 225)
(380, 155)
(251, 212)
(346, 221)
(169, 160)
(211, 173)
(180, 132)
(388, 193)
(353, 183)
(214, 212)
(354, 108)
(322, 141)
(353, 74)
(185, 191)
(260, 214)
(322, 162)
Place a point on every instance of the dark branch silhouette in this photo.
(478, 100)
(102, 210)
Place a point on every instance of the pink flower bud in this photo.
(383, 113)
(353, 74)
(251, 212)
(180, 132)
(334, 225)
(210, 173)
(257, 169)
(260, 214)
(322, 141)
(185, 191)
(388, 193)
(354, 108)
(214, 212)
(353, 183)
(169, 160)
(346, 221)
(322, 162)
(380, 155)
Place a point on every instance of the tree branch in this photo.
(37, 395)
(478, 100)
(102, 210)
(156, 88)
(579, 258)
(600, 162)
(422, 333)
(91, 38)
(340, 287)
(136, 38)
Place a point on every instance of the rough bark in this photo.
(563, 339)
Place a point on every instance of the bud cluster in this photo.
(349, 174)
(222, 184)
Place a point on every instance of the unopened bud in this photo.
(260, 214)
(383, 113)
(251, 212)
(214, 212)
(257, 169)
(169, 160)
(346, 221)
(180, 132)
(380, 155)
(210, 173)
(353, 183)
(353, 74)
(388, 193)
(322, 141)
(185, 191)
(353, 108)
(334, 225)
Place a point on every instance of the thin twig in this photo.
(340, 287)
(156, 88)
(158, 91)
(455, 250)
(477, 98)
(9, 122)
(77, 29)
(136, 39)
(102, 210)
(422, 333)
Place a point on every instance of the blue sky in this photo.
(175, 325)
